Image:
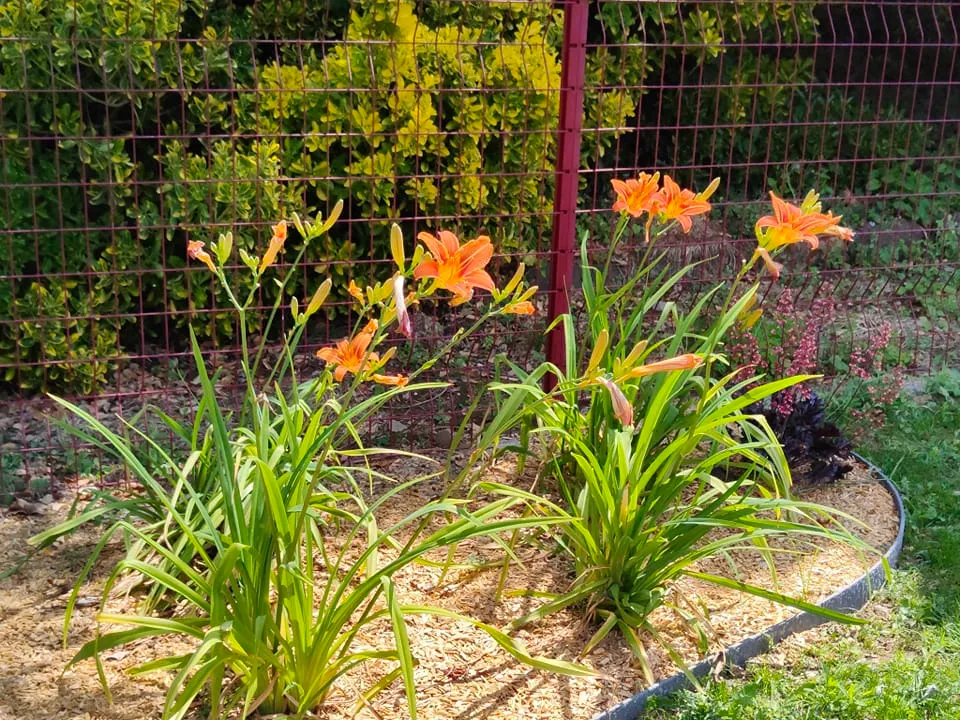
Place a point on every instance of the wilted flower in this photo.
(195, 251)
(403, 317)
(355, 291)
(350, 355)
(621, 406)
(456, 268)
(275, 246)
(635, 197)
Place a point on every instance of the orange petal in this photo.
(435, 247)
(780, 209)
(475, 255)
(480, 279)
(328, 354)
(450, 242)
(670, 188)
(426, 269)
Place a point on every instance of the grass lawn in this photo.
(905, 663)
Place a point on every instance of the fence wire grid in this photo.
(130, 127)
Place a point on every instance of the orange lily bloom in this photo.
(521, 308)
(350, 355)
(688, 361)
(790, 224)
(636, 197)
(276, 245)
(672, 203)
(456, 268)
(195, 251)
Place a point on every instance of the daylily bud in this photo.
(520, 308)
(403, 317)
(621, 406)
(396, 246)
(599, 348)
(319, 297)
(224, 247)
(275, 246)
(688, 361)
(334, 216)
(514, 281)
(250, 262)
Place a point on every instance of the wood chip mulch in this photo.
(462, 674)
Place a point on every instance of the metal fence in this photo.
(132, 126)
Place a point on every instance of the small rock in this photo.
(397, 427)
(27, 508)
(46, 499)
(444, 437)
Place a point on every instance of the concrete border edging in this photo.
(849, 599)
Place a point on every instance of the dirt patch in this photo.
(462, 673)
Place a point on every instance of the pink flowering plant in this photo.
(646, 427)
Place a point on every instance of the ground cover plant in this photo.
(903, 662)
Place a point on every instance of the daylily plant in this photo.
(652, 455)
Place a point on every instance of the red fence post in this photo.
(569, 133)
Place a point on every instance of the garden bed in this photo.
(462, 673)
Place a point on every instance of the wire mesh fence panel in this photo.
(132, 128)
(857, 100)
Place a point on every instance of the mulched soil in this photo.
(462, 673)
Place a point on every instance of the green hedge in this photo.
(153, 155)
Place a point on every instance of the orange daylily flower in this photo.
(276, 245)
(521, 308)
(688, 361)
(195, 251)
(674, 203)
(636, 197)
(350, 355)
(456, 268)
(790, 224)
